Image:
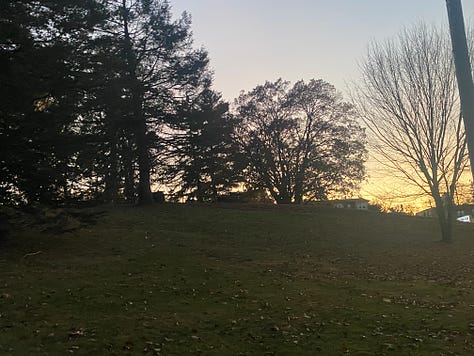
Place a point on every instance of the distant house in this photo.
(427, 213)
(356, 203)
(463, 210)
(462, 213)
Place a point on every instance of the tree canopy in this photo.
(199, 151)
(301, 142)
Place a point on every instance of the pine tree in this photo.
(159, 68)
(43, 52)
(200, 150)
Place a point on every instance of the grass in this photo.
(238, 280)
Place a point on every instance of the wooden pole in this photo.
(463, 72)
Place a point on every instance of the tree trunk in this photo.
(463, 72)
(444, 212)
(128, 171)
(299, 187)
(214, 190)
(112, 176)
(446, 228)
(145, 196)
(298, 198)
(283, 198)
(200, 192)
(111, 179)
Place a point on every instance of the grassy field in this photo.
(230, 280)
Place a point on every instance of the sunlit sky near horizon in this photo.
(251, 41)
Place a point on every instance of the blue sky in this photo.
(250, 41)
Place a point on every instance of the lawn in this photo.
(237, 280)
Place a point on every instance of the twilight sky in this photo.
(251, 41)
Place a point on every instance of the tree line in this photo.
(100, 100)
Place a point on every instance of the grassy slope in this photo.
(177, 280)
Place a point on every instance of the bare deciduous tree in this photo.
(409, 102)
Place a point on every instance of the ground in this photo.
(237, 280)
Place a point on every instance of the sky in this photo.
(251, 41)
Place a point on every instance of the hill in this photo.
(229, 280)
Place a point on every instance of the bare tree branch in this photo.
(409, 103)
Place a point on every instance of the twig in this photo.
(32, 254)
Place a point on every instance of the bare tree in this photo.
(409, 102)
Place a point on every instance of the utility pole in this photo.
(463, 72)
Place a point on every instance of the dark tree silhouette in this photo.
(200, 149)
(302, 142)
(86, 87)
(159, 67)
(43, 53)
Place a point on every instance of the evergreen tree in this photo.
(159, 68)
(200, 149)
(43, 52)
